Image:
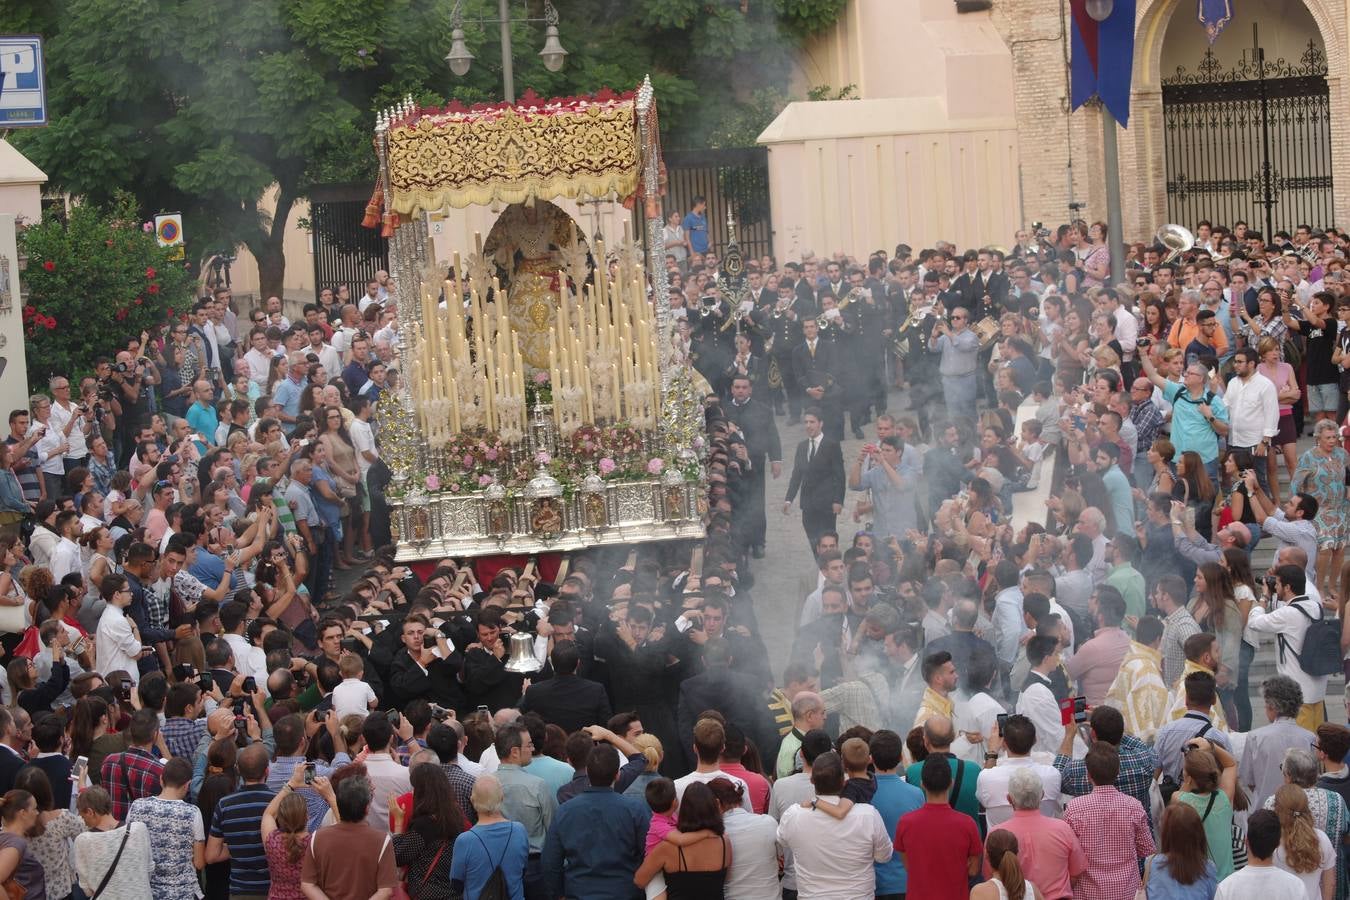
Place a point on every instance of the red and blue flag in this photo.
(1102, 58)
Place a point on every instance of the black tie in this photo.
(810, 449)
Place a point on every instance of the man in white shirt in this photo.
(796, 788)
(363, 436)
(66, 554)
(834, 857)
(1261, 879)
(1253, 410)
(259, 357)
(371, 296)
(117, 642)
(709, 741)
(329, 358)
(388, 778)
(1018, 736)
(1289, 617)
(1127, 326)
(69, 420)
(1037, 701)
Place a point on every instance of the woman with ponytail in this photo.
(1182, 869)
(1304, 851)
(19, 815)
(1008, 882)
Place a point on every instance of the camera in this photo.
(184, 672)
(349, 643)
(121, 367)
(1269, 582)
(206, 682)
(250, 685)
(1143, 342)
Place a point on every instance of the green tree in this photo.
(92, 281)
(200, 106)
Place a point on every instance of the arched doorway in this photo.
(1247, 121)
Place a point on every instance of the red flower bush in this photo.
(49, 266)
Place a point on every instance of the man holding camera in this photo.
(71, 420)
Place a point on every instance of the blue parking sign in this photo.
(23, 92)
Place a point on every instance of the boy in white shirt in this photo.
(353, 696)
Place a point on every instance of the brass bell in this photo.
(522, 658)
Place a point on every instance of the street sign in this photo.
(169, 232)
(23, 91)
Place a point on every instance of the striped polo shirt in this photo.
(238, 822)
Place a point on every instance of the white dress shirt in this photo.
(259, 365)
(1127, 331)
(835, 857)
(1038, 704)
(1292, 625)
(248, 659)
(79, 447)
(116, 644)
(754, 855)
(49, 460)
(388, 779)
(1253, 410)
(992, 788)
(65, 558)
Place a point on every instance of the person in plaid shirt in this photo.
(1113, 829)
(135, 772)
(1136, 759)
(183, 721)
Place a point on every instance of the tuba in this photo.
(1176, 239)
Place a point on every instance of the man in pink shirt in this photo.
(1047, 848)
(1097, 661)
(757, 785)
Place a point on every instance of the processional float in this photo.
(544, 405)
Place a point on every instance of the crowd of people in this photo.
(219, 681)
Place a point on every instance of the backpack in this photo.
(495, 887)
(1321, 654)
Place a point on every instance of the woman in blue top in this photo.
(1183, 869)
(494, 843)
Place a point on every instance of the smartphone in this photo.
(482, 708)
(1079, 710)
(309, 773)
(184, 672)
(250, 685)
(1002, 721)
(241, 728)
(394, 718)
(124, 691)
(206, 682)
(1078, 421)
(79, 771)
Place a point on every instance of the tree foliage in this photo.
(199, 106)
(93, 281)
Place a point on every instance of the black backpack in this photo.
(1321, 654)
(495, 887)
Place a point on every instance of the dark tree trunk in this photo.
(270, 252)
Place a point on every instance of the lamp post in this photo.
(1100, 10)
(460, 58)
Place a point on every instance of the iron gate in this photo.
(735, 177)
(1249, 143)
(344, 251)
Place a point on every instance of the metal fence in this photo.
(1251, 142)
(736, 178)
(344, 251)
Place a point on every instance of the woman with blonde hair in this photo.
(650, 746)
(1007, 882)
(1304, 851)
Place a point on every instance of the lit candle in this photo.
(614, 389)
(553, 377)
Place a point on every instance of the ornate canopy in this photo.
(540, 149)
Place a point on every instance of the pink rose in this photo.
(541, 378)
(468, 460)
(607, 466)
(148, 227)
(698, 442)
(433, 483)
(491, 454)
(454, 487)
(655, 465)
(542, 458)
(484, 480)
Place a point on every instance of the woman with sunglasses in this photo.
(341, 455)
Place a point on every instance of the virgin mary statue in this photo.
(531, 244)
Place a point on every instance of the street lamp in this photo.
(460, 59)
(1100, 10)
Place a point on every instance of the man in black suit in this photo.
(755, 420)
(11, 761)
(818, 473)
(567, 700)
(813, 363)
(737, 696)
(804, 293)
(785, 333)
